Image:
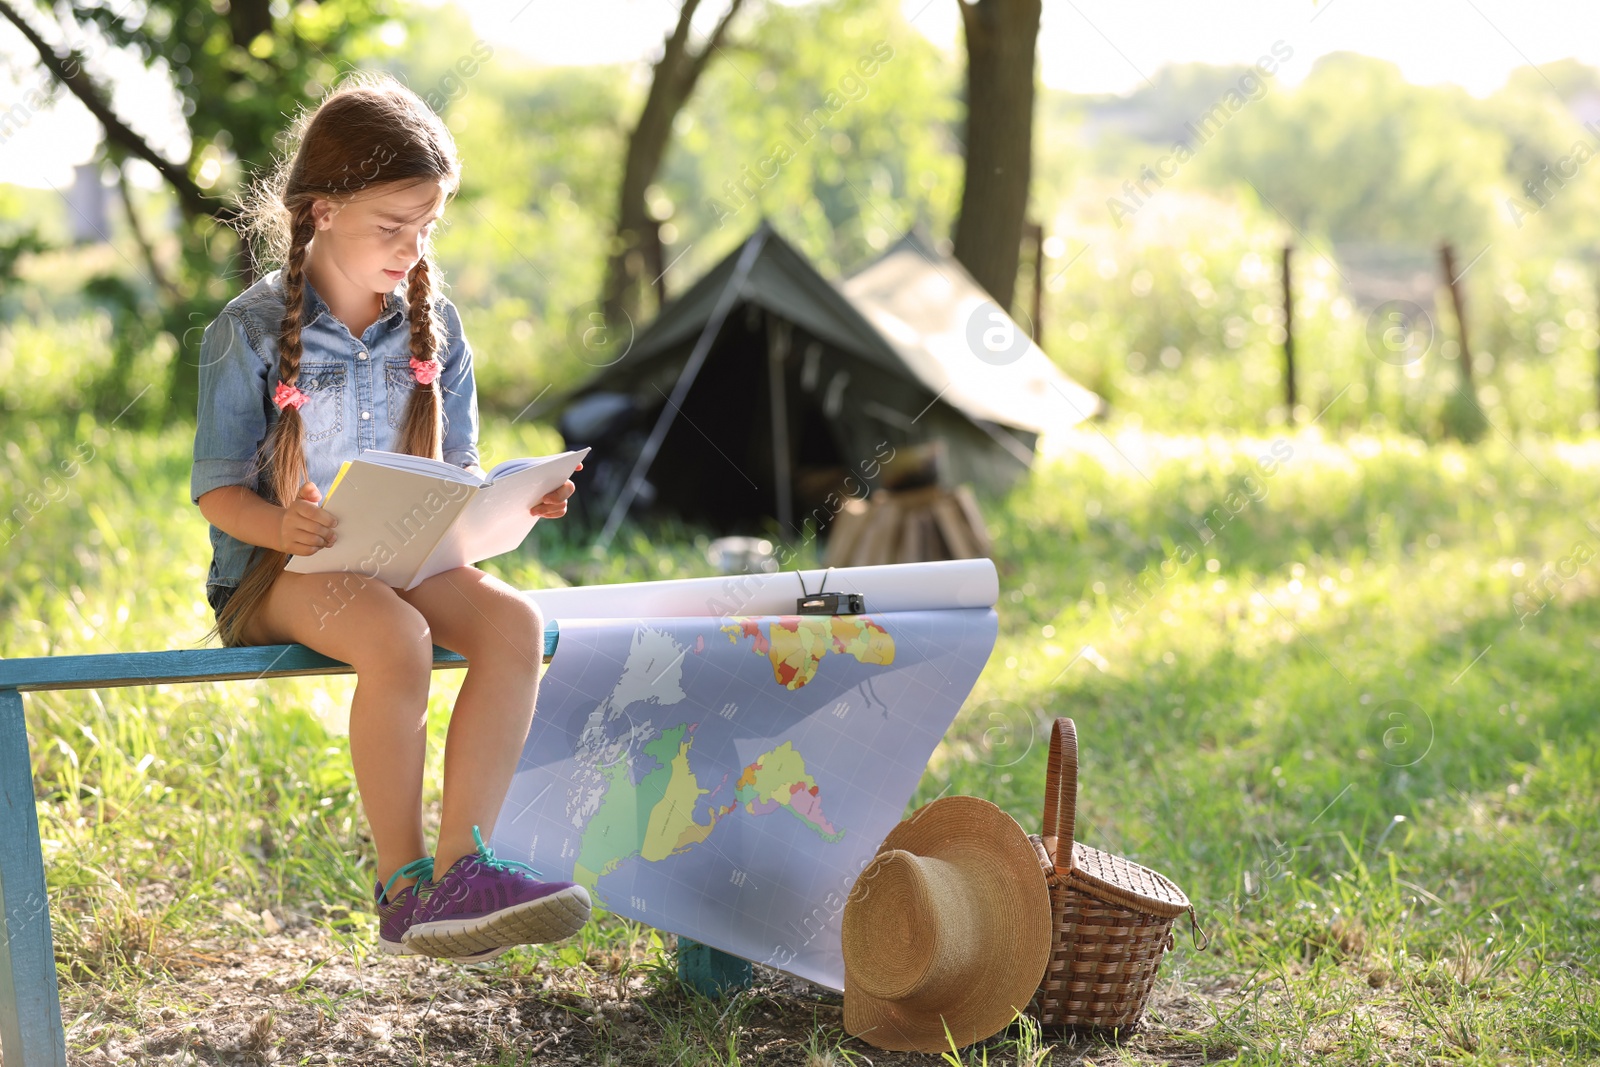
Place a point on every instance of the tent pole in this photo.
(697, 359)
(777, 355)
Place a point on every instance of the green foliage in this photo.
(13, 248)
(62, 348)
(135, 327)
(1462, 416)
(19, 236)
(1540, 129)
(1341, 155)
(838, 121)
(239, 69)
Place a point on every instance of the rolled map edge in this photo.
(934, 586)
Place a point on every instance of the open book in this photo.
(403, 519)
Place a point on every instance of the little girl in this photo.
(350, 346)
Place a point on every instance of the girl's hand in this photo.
(306, 528)
(554, 504)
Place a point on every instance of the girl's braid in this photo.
(288, 442)
(422, 434)
(288, 463)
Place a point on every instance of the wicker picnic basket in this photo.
(1111, 919)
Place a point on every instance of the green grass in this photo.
(1356, 726)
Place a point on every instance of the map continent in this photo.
(796, 643)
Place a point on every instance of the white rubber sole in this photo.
(551, 918)
(392, 949)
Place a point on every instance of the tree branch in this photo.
(680, 31)
(146, 249)
(69, 72)
(672, 81)
(713, 43)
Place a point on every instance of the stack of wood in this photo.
(908, 526)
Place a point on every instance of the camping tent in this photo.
(762, 388)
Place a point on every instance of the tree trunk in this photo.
(1001, 38)
(248, 19)
(671, 85)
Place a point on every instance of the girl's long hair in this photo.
(370, 131)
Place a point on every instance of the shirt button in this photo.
(366, 414)
(361, 355)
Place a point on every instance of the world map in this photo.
(727, 778)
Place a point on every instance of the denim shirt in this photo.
(356, 389)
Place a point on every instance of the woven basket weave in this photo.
(1111, 919)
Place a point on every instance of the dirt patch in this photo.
(302, 997)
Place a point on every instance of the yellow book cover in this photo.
(343, 470)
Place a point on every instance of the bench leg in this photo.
(711, 972)
(30, 1003)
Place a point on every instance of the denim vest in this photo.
(356, 390)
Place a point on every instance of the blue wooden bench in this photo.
(31, 1034)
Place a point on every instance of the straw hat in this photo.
(949, 925)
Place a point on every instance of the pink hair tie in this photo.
(425, 371)
(288, 396)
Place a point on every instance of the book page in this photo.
(433, 468)
(511, 466)
(496, 518)
(389, 521)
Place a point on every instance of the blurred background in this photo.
(1163, 294)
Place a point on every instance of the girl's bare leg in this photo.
(388, 643)
(501, 634)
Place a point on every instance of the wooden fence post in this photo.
(1035, 232)
(1288, 333)
(1447, 261)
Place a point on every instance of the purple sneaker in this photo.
(394, 916)
(483, 903)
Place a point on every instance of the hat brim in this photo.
(995, 853)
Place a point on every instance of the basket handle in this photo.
(1201, 938)
(1061, 791)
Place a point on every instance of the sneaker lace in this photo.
(487, 857)
(421, 869)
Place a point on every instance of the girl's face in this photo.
(373, 240)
